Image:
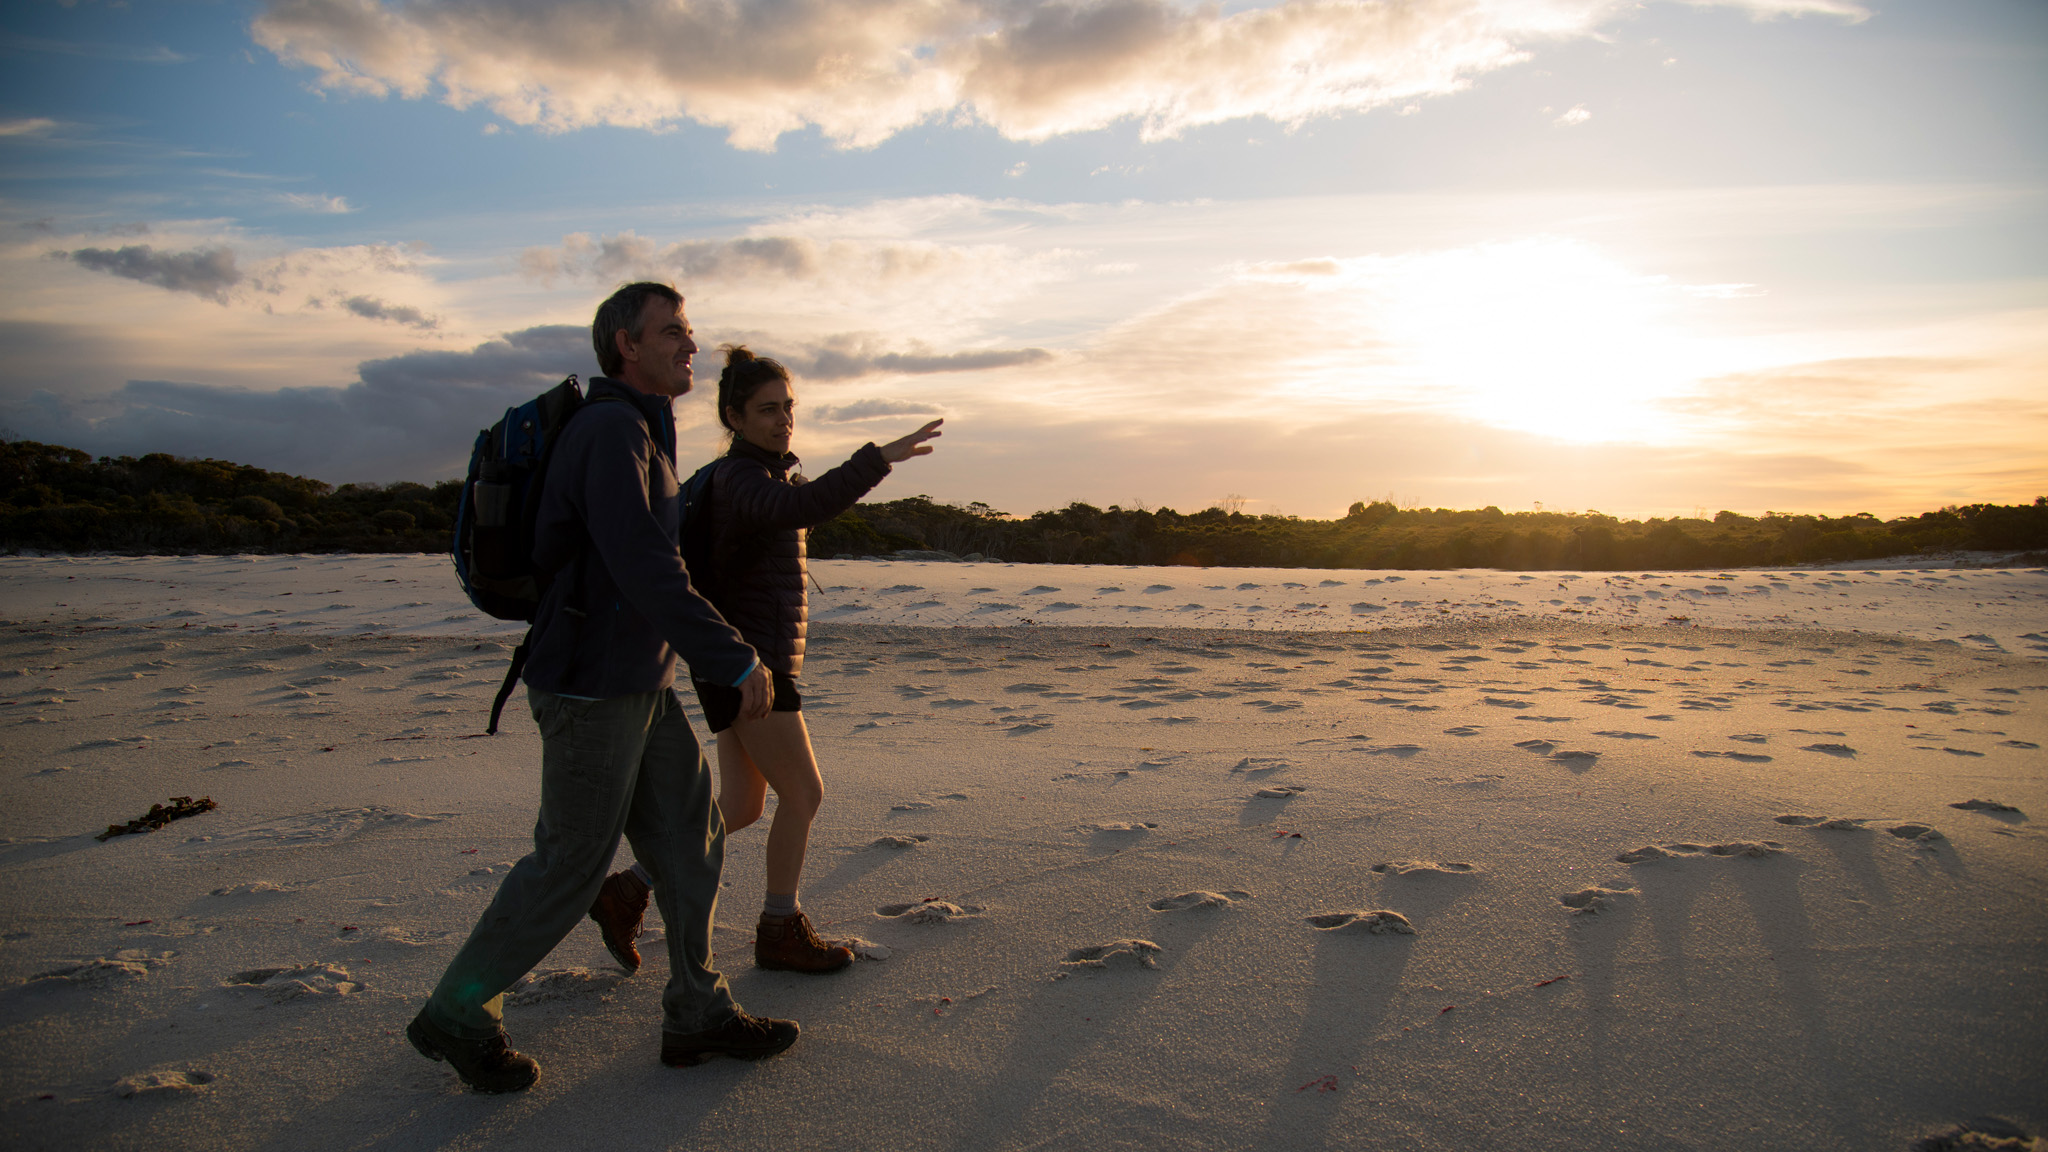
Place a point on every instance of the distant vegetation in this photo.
(1380, 535)
(62, 499)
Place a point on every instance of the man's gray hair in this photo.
(621, 313)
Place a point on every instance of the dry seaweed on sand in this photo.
(160, 815)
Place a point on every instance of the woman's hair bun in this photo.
(743, 376)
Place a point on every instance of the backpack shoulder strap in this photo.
(646, 421)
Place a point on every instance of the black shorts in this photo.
(722, 704)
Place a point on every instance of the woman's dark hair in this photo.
(743, 376)
(621, 313)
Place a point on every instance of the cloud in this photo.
(844, 357)
(205, 272)
(130, 53)
(30, 126)
(315, 202)
(1573, 118)
(862, 72)
(412, 416)
(1772, 9)
(628, 255)
(252, 274)
(871, 409)
(371, 308)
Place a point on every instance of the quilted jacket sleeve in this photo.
(758, 502)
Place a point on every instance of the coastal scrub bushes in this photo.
(64, 500)
(1380, 535)
(61, 499)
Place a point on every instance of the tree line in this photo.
(61, 499)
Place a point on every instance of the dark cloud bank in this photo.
(204, 272)
(408, 417)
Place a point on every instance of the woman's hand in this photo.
(897, 451)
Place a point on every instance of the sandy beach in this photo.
(1182, 858)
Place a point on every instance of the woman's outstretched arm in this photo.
(759, 502)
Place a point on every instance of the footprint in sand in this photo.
(1751, 737)
(389, 937)
(1377, 923)
(177, 1082)
(898, 843)
(866, 949)
(1986, 806)
(1650, 852)
(1399, 751)
(279, 985)
(1425, 868)
(1617, 735)
(913, 806)
(101, 971)
(1742, 757)
(1467, 730)
(1115, 836)
(930, 910)
(329, 827)
(1920, 833)
(1593, 901)
(1261, 765)
(1981, 1134)
(1539, 747)
(1115, 954)
(1841, 750)
(252, 888)
(1200, 898)
(562, 984)
(1831, 823)
(1279, 792)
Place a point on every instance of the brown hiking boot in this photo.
(743, 1037)
(789, 944)
(489, 1065)
(618, 909)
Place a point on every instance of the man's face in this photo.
(658, 363)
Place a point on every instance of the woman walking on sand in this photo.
(759, 510)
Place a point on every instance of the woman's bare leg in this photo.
(741, 788)
(777, 749)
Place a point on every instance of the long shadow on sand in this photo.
(1071, 1022)
(1357, 977)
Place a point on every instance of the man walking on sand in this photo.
(617, 756)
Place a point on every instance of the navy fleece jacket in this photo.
(621, 607)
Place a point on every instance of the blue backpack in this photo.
(500, 497)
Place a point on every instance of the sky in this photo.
(1654, 259)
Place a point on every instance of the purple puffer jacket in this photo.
(759, 513)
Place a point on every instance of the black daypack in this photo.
(500, 497)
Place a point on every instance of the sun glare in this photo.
(1547, 336)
